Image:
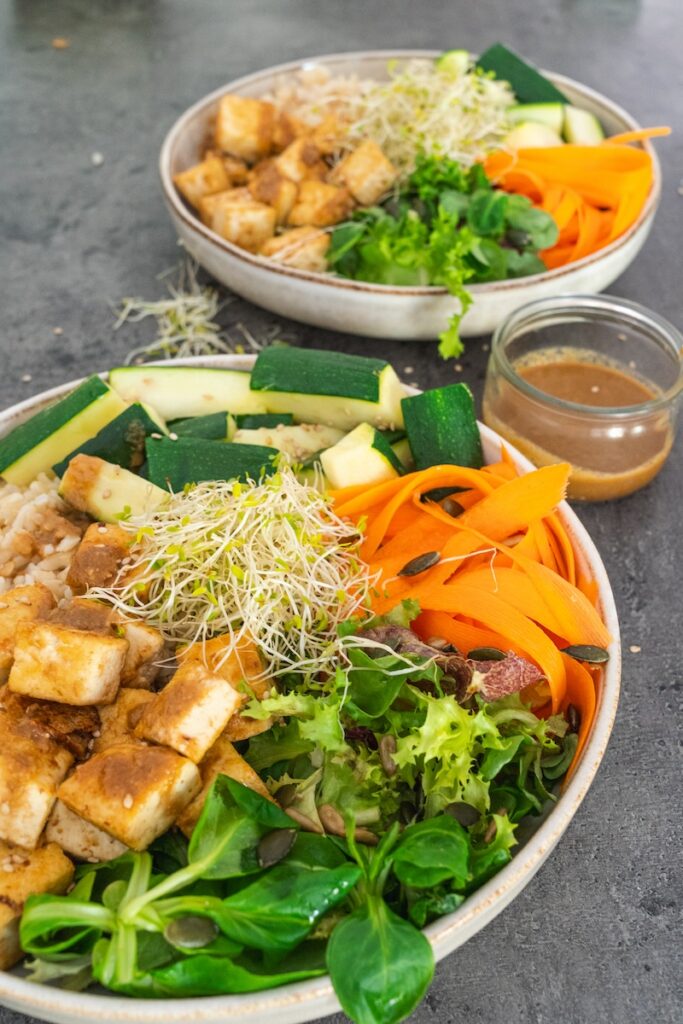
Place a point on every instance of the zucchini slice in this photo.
(177, 392)
(442, 427)
(253, 421)
(362, 457)
(189, 460)
(106, 492)
(122, 441)
(328, 387)
(528, 84)
(53, 433)
(298, 442)
(217, 426)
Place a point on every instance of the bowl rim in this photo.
(306, 1000)
(178, 208)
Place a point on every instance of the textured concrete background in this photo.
(593, 937)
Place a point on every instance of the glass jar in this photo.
(588, 350)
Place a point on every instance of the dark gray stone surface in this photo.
(593, 937)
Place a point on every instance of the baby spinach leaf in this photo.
(281, 907)
(522, 215)
(375, 683)
(314, 852)
(61, 927)
(431, 852)
(430, 905)
(207, 975)
(486, 212)
(380, 964)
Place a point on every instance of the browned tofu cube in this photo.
(268, 185)
(32, 765)
(221, 759)
(301, 161)
(146, 648)
(328, 134)
(244, 127)
(245, 223)
(203, 179)
(236, 170)
(243, 670)
(287, 129)
(209, 205)
(98, 557)
(21, 604)
(73, 728)
(190, 712)
(80, 838)
(53, 662)
(132, 791)
(88, 615)
(25, 873)
(320, 204)
(118, 720)
(366, 172)
(303, 248)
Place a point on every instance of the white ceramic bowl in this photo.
(307, 1000)
(380, 311)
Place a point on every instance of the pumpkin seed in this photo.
(573, 718)
(191, 931)
(286, 795)
(587, 652)
(464, 814)
(486, 654)
(420, 564)
(331, 819)
(274, 846)
(387, 747)
(452, 507)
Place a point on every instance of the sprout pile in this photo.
(266, 560)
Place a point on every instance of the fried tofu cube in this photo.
(132, 791)
(303, 248)
(244, 127)
(320, 204)
(145, 650)
(301, 161)
(25, 873)
(85, 614)
(221, 759)
(21, 604)
(268, 185)
(32, 765)
(366, 172)
(246, 223)
(97, 559)
(328, 134)
(79, 837)
(73, 728)
(190, 712)
(209, 205)
(236, 170)
(243, 669)
(287, 129)
(118, 720)
(53, 662)
(204, 179)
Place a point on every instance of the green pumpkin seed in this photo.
(452, 508)
(191, 931)
(464, 814)
(420, 564)
(486, 654)
(274, 846)
(387, 748)
(587, 652)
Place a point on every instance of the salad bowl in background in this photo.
(357, 307)
(308, 1000)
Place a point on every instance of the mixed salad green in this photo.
(447, 225)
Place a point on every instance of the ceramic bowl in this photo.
(308, 1000)
(380, 311)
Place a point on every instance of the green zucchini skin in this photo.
(217, 426)
(191, 460)
(49, 435)
(254, 421)
(317, 372)
(121, 442)
(528, 84)
(381, 445)
(442, 427)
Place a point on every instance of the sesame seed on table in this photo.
(90, 89)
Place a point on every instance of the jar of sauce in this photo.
(591, 380)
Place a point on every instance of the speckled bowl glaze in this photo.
(380, 311)
(308, 1000)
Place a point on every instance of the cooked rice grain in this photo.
(38, 536)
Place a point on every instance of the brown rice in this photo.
(38, 536)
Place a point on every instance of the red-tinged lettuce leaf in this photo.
(496, 679)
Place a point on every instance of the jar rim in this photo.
(580, 307)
